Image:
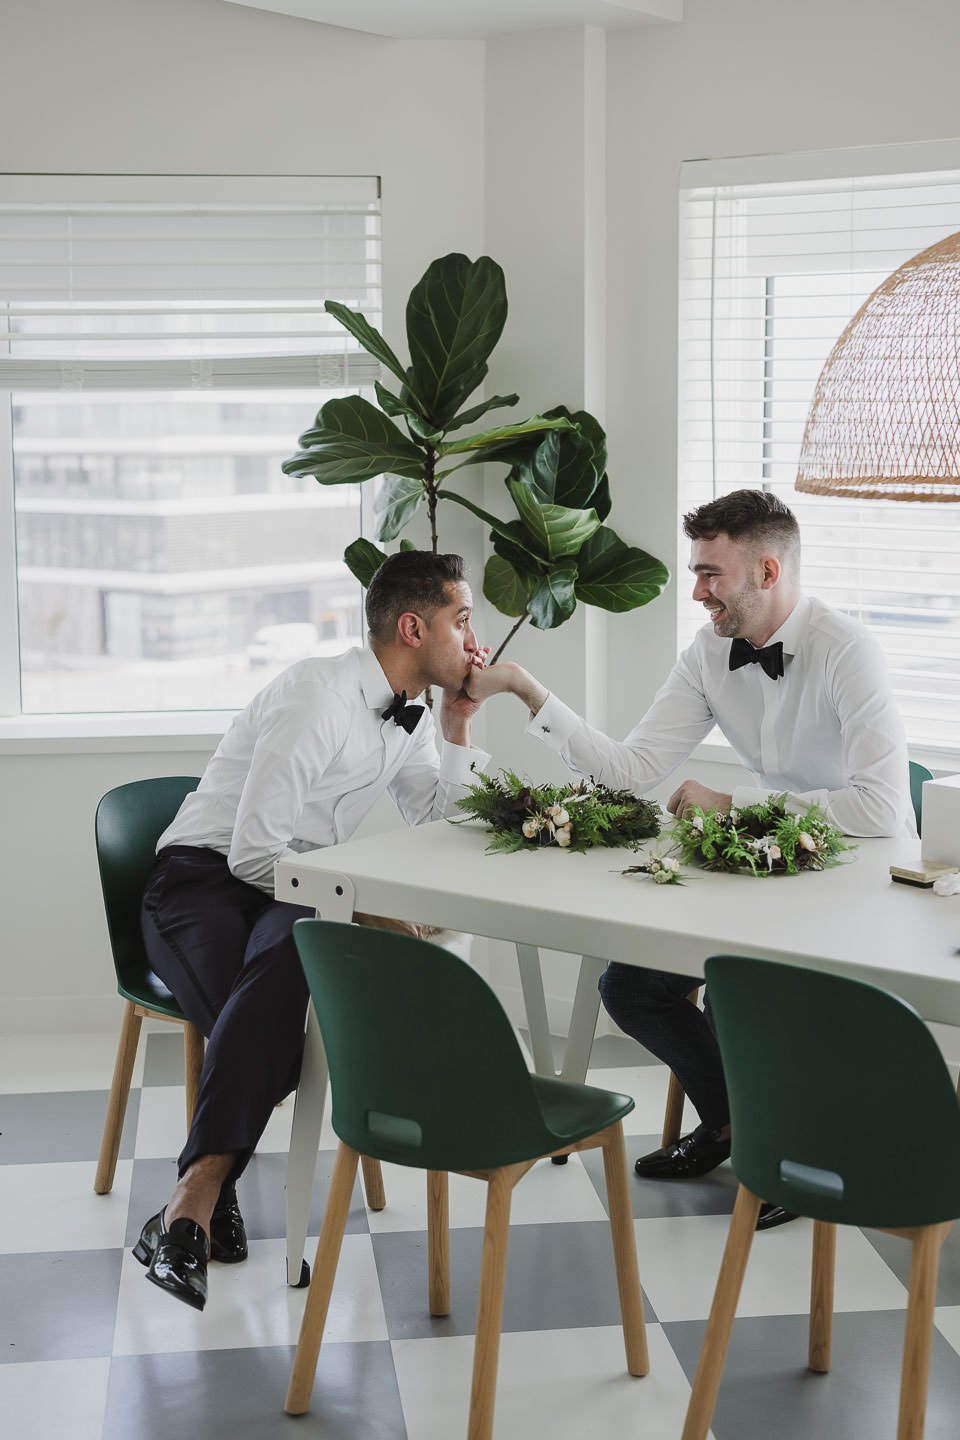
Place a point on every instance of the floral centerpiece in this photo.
(572, 817)
(759, 839)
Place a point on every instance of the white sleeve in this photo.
(298, 740)
(429, 783)
(679, 718)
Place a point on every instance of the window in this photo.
(163, 343)
(770, 274)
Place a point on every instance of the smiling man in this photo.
(802, 695)
(299, 768)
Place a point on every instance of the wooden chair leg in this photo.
(373, 1183)
(496, 1234)
(706, 1382)
(673, 1110)
(324, 1273)
(117, 1101)
(438, 1241)
(822, 1275)
(625, 1250)
(192, 1065)
(924, 1259)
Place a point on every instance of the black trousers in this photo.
(225, 951)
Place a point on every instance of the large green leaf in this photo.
(505, 587)
(510, 544)
(555, 530)
(371, 340)
(554, 599)
(499, 527)
(491, 442)
(353, 440)
(616, 576)
(467, 417)
(363, 560)
(399, 499)
(455, 316)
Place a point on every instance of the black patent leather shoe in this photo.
(695, 1154)
(179, 1263)
(228, 1236)
(773, 1215)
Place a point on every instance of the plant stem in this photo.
(430, 485)
(494, 658)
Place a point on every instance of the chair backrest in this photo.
(129, 822)
(425, 1068)
(841, 1105)
(918, 773)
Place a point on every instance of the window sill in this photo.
(186, 730)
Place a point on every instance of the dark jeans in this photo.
(225, 951)
(651, 1005)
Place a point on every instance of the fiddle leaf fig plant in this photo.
(553, 549)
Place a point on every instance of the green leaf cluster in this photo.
(760, 839)
(595, 815)
(554, 549)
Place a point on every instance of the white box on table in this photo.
(941, 820)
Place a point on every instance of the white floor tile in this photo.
(249, 1304)
(565, 1384)
(548, 1193)
(647, 1084)
(51, 1399)
(53, 1207)
(33, 1063)
(680, 1259)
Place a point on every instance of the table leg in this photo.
(535, 1004)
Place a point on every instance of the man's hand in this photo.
(692, 793)
(382, 922)
(458, 707)
(507, 678)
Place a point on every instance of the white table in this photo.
(852, 919)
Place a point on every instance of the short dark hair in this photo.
(410, 580)
(756, 516)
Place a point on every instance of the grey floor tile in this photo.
(163, 1058)
(60, 1126)
(711, 1194)
(766, 1376)
(559, 1276)
(896, 1252)
(58, 1305)
(238, 1395)
(260, 1191)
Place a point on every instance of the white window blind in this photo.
(769, 276)
(163, 342)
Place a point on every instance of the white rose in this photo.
(697, 823)
(560, 815)
(661, 877)
(563, 836)
(806, 841)
(774, 852)
(669, 863)
(531, 827)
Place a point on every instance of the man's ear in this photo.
(410, 629)
(771, 568)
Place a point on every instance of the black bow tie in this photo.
(403, 714)
(770, 658)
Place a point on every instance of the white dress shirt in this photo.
(826, 733)
(300, 767)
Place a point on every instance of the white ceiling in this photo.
(471, 19)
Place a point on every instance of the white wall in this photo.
(501, 147)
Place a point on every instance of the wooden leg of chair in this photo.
(706, 1382)
(486, 1350)
(324, 1273)
(438, 1241)
(117, 1101)
(192, 1065)
(821, 1295)
(373, 1183)
(673, 1110)
(922, 1296)
(625, 1250)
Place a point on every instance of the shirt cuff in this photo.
(749, 795)
(554, 723)
(459, 763)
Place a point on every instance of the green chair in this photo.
(829, 1080)
(426, 1071)
(129, 822)
(918, 773)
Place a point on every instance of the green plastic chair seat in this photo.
(143, 987)
(918, 773)
(842, 1108)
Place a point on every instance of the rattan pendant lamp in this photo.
(884, 422)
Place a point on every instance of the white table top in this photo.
(852, 918)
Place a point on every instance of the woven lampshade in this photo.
(884, 422)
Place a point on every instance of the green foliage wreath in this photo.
(572, 817)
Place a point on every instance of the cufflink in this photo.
(545, 729)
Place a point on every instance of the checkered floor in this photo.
(91, 1351)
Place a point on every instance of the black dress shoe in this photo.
(695, 1154)
(228, 1237)
(179, 1263)
(773, 1215)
